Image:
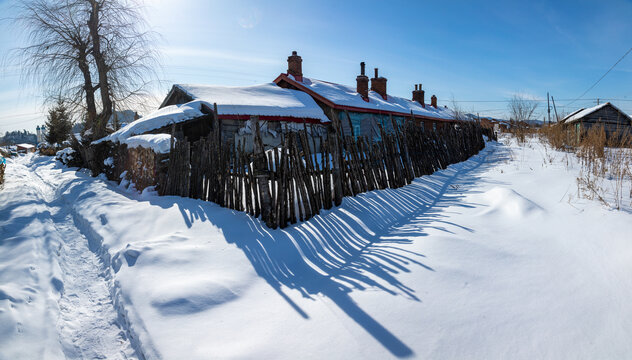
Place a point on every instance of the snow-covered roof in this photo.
(172, 114)
(578, 114)
(264, 100)
(348, 96)
(159, 143)
(26, 146)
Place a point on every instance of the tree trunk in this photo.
(91, 108)
(102, 70)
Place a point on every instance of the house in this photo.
(291, 102)
(25, 148)
(362, 109)
(193, 108)
(607, 115)
(120, 118)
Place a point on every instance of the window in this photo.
(356, 130)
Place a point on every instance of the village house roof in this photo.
(346, 97)
(167, 115)
(581, 113)
(268, 101)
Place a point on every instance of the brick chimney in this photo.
(295, 66)
(362, 82)
(433, 101)
(378, 84)
(418, 95)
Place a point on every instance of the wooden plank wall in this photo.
(285, 185)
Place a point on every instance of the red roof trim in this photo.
(270, 118)
(284, 77)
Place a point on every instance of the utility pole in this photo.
(597, 101)
(555, 108)
(548, 105)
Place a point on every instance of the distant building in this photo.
(26, 148)
(121, 118)
(607, 115)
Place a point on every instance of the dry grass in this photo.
(606, 161)
(520, 131)
(2, 167)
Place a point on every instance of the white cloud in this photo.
(250, 19)
(207, 54)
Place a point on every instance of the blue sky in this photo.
(462, 50)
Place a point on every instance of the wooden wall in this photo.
(608, 117)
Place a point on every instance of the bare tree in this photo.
(457, 110)
(91, 53)
(57, 58)
(521, 109)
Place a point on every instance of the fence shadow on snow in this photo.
(346, 249)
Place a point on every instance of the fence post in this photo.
(263, 177)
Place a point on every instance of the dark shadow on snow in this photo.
(343, 249)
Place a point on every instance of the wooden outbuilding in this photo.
(610, 117)
(26, 148)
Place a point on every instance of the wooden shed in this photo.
(607, 115)
(26, 148)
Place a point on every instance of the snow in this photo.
(348, 96)
(159, 143)
(168, 115)
(65, 155)
(26, 146)
(494, 257)
(263, 99)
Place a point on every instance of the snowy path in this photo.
(492, 258)
(87, 323)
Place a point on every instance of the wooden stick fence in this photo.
(294, 181)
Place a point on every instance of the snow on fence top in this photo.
(162, 117)
(264, 100)
(348, 96)
(159, 143)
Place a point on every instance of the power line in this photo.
(537, 100)
(603, 76)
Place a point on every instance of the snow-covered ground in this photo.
(495, 257)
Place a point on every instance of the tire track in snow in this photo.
(88, 323)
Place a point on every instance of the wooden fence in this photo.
(293, 183)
